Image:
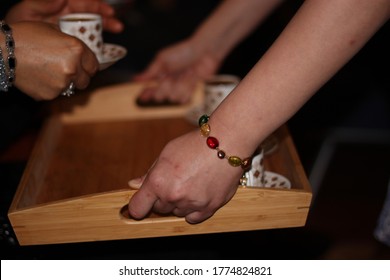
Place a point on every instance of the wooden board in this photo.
(74, 188)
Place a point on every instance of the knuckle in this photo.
(72, 59)
(76, 45)
(69, 68)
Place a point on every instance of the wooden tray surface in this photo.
(75, 185)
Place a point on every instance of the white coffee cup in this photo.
(87, 27)
(256, 175)
(217, 89)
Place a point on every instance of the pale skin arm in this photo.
(188, 179)
(180, 66)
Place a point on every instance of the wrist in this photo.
(224, 146)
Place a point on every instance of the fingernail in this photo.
(135, 183)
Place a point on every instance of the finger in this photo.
(164, 89)
(91, 7)
(82, 78)
(183, 88)
(137, 182)
(181, 212)
(140, 77)
(163, 207)
(89, 61)
(112, 25)
(141, 203)
(147, 93)
(46, 7)
(197, 217)
(81, 81)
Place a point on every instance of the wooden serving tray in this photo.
(74, 188)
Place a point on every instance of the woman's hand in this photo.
(51, 10)
(194, 189)
(49, 60)
(177, 69)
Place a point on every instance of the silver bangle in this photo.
(10, 45)
(3, 74)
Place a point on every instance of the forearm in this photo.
(232, 21)
(319, 40)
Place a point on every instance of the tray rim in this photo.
(55, 123)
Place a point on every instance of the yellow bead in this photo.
(234, 161)
(205, 130)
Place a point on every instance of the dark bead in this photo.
(246, 163)
(203, 119)
(10, 44)
(212, 142)
(221, 154)
(6, 27)
(11, 62)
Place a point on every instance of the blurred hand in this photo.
(193, 189)
(177, 69)
(49, 60)
(51, 10)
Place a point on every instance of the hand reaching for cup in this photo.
(177, 69)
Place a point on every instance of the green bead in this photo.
(234, 161)
(203, 119)
(205, 130)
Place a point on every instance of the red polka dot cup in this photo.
(87, 27)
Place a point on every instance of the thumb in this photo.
(141, 203)
(143, 200)
(137, 182)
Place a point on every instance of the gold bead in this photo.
(234, 161)
(205, 130)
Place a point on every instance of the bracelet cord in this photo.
(213, 143)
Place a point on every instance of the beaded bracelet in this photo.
(10, 45)
(3, 73)
(213, 143)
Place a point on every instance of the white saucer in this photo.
(111, 54)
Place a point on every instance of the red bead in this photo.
(212, 142)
